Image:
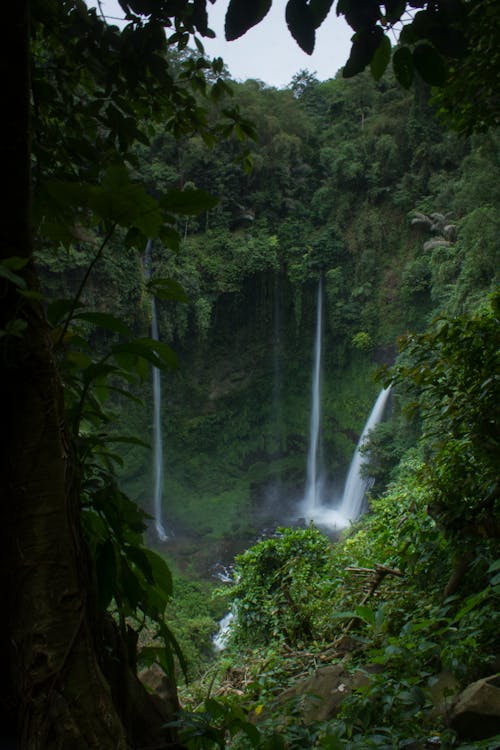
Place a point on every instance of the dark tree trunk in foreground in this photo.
(57, 693)
(53, 691)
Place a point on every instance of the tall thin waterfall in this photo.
(356, 485)
(312, 497)
(157, 431)
(277, 406)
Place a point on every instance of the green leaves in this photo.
(104, 320)
(156, 352)
(242, 15)
(452, 371)
(118, 200)
(8, 268)
(167, 289)
(188, 202)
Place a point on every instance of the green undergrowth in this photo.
(301, 604)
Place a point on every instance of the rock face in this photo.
(157, 682)
(476, 713)
(321, 694)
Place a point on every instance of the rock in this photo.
(157, 682)
(443, 693)
(319, 696)
(476, 713)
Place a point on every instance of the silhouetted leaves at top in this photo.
(402, 62)
(429, 63)
(359, 15)
(364, 46)
(242, 15)
(320, 10)
(380, 59)
(302, 24)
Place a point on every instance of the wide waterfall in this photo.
(312, 499)
(356, 484)
(157, 431)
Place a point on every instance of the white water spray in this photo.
(356, 485)
(221, 637)
(312, 497)
(157, 431)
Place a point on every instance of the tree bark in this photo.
(53, 693)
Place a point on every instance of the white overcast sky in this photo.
(267, 51)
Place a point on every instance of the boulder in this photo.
(319, 696)
(159, 684)
(443, 692)
(476, 713)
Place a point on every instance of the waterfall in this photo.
(356, 485)
(277, 408)
(220, 638)
(157, 431)
(312, 492)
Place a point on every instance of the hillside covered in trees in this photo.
(185, 222)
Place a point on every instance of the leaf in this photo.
(32, 294)
(14, 327)
(161, 572)
(170, 238)
(58, 310)
(140, 560)
(171, 643)
(364, 45)
(320, 9)
(188, 202)
(241, 15)
(429, 64)
(125, 202)
(156, 352)
(127, 439)
(394, 10)
(167, 289)
(81, 360)
(402, 62)
(366, 614)
(14, 263)
(380, 59)
(105, 320)
(7, 268)
(301, 24)
(117, 200)
(130, 586)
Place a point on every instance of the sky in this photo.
(267, 51)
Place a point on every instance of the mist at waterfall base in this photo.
(157, 429)
(339, 513)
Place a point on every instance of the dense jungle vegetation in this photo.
(248, 194)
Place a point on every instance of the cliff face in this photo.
(330, 193)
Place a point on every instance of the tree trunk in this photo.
(53, 693)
